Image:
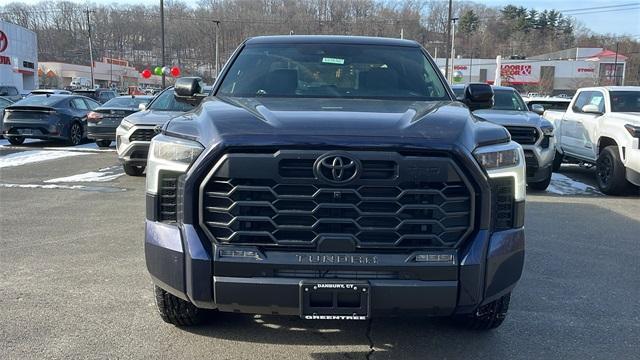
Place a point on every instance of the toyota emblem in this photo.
(337, 168)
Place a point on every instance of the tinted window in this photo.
(333, 71)
(508, 100)
(92, 104)
(79, 104)
(39, 100)
(625, 101)
(126, 102)
(550, 105)
(459, 92)
(167, 102)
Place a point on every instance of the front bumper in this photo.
(132, 152)
(539, 160)
(486, 268)
(632, 162)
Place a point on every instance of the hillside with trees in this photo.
(132, 32)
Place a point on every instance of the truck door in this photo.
(578, 127)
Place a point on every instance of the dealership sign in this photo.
(4, 44)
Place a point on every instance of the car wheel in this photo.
(133, 170)
(557, 161)
(610, 172)
(176, 311)
(487, 317)
(541, 185)
(15, 140)
(75, 134)
(103, 143)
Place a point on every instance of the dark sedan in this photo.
(103, 121)
(4, 102)
(57, 117)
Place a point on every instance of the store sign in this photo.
(518, 73)
(586, 70)
(460, 67)
(4, 41)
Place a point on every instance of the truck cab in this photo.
(602, 127)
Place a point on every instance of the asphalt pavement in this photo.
(73, 282)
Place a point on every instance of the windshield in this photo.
(167, 102)
(39, 100)
(508, 100)
(125, 102)
(625, 101)
(333, 71)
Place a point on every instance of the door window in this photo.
(584, 99)
(79, 104)
(92, 104)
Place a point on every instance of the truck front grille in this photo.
(142, 135)
(396, 202)
(523, 135)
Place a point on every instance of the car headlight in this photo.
(125, 124)
(505, 160)
(169, 154)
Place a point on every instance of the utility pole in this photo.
(615, 66)
(446, 61)
(217, 42)
(90, 47)
(162, 38)
(111, 74)
(453, 47)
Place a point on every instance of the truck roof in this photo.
(612, 88)
(330, 39)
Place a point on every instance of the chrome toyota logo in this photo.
(337, 168)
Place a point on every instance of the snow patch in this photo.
(91, 176)
(33, 156)
(65, 187)
(564, 185)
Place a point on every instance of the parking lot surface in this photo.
(73, 282)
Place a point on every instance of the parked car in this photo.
(99, 95)
(103, 121)
(10, 92)
(50, 91)
(334, 177)
(4, 102)
(602, 127)
(58, 117)
(134, 134)
(533, 132)
(540, 104)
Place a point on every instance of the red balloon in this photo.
(175, 71)
(146, 73)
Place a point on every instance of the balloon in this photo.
(175, 71)
(166, 70)
(457, 76)
(157, 70)
(146, 73)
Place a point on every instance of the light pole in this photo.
(217, 42)
(162, 38)
(90, 48)
(453, 48)
(446, 59)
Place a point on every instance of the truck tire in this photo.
(488, 316)
(133, 170)
(610, 172)
(15, 140)
(541, 185)
(557, 161)
(103, 143)
(176, 311)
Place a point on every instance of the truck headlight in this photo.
(633, 130)
(169, 154)
(505, 160)
(547, 130)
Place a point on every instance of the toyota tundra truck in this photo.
(334, 178)
(602, 127)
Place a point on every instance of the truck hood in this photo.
(358, 122)
(151, 117)
(509, 117)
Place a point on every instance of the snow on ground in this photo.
(33, 156)
(102, 175)
(62, 186)
(564, 185)
(46, 145)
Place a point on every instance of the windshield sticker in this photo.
(333, 61)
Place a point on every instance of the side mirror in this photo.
(591, 109)
(142, 106)
(478, 96)
(537, 108)
(189, 90)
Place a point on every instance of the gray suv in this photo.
(527, 128)
(134, 134)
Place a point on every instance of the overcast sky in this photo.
(623, 20)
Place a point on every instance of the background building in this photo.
(18, 57)
(108, 72)
(555, 73)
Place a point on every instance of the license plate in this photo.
(334, 300)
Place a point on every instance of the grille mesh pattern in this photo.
(142, 135)
(406, 214)
(502, 191)
(523, 135)
(167, 191)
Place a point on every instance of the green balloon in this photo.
(157, 70)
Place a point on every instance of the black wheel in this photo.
(103, 143)
(15, 140)
(557, 161)
(133, 170)
(75, 134)
(541, 185)
(176, 311)
(488, 316)
(610, 172)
